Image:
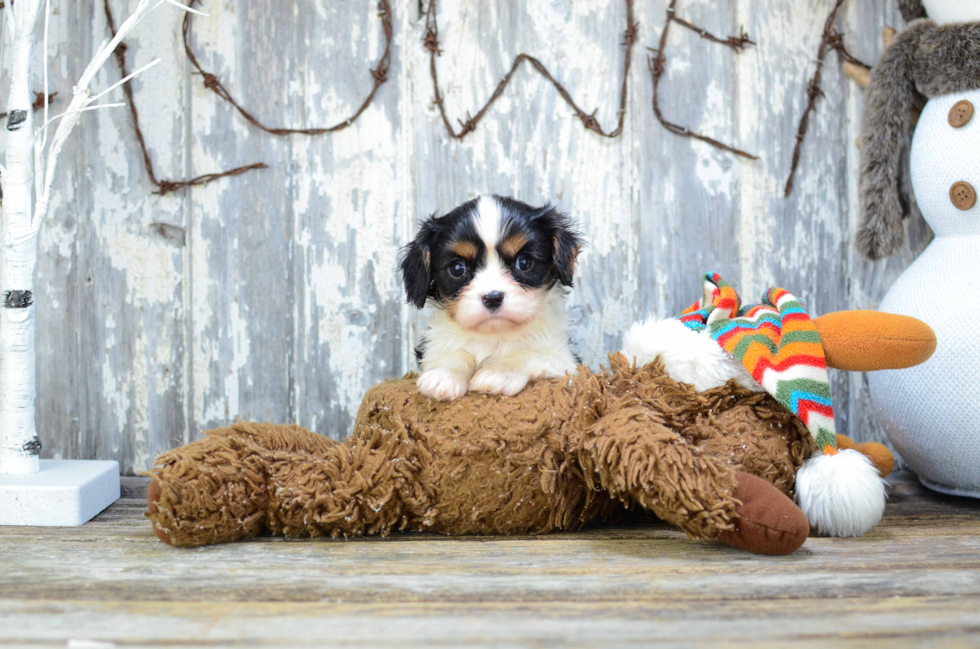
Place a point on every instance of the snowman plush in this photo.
(929, 412)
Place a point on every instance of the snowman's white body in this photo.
(952, 11)
(931, 412)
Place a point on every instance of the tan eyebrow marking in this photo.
(513, 245)
(465, 249)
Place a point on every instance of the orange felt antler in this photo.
(865, 341)
(879, 454)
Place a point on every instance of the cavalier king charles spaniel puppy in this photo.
(496, 271)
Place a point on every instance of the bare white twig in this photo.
(81, 101)
(43, 131)
(47, 21)
(124, 80)
(187, 8)
(84, 110)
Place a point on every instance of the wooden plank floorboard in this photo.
(914, 581)
(916, 620)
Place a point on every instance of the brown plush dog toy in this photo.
(564, 454)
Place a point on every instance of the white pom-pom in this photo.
(841, 494)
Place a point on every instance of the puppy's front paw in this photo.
(441, 384)
(493, 381)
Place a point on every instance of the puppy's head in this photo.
(491, 262)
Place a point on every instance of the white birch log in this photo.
(20, 446)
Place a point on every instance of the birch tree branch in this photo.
(46, 162)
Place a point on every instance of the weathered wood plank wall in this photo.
(275, 295)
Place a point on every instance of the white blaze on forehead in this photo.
(487, 221)
(493, 276)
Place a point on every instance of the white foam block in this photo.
(64, 493)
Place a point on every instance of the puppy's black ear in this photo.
(417, 265)
(567, 246)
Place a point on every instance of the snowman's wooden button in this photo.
(960, 114)
(963, 195)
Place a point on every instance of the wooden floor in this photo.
(914, 580)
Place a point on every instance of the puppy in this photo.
(496, 270)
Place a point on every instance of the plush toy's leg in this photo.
(767, 442)
(367, 485)
(636, 457)
(239, 481)
(215, 490)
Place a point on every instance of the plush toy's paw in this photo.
(495, 381)
(441, 384)
(769, 522)
(152, 498)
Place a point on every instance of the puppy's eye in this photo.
(457, 269)
(524, 263)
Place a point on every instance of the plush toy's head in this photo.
(776, 347)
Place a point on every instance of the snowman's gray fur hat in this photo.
(924, 58)
(911, 9)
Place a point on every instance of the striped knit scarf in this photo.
(779, 346)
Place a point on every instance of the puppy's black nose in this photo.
(493, 300)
